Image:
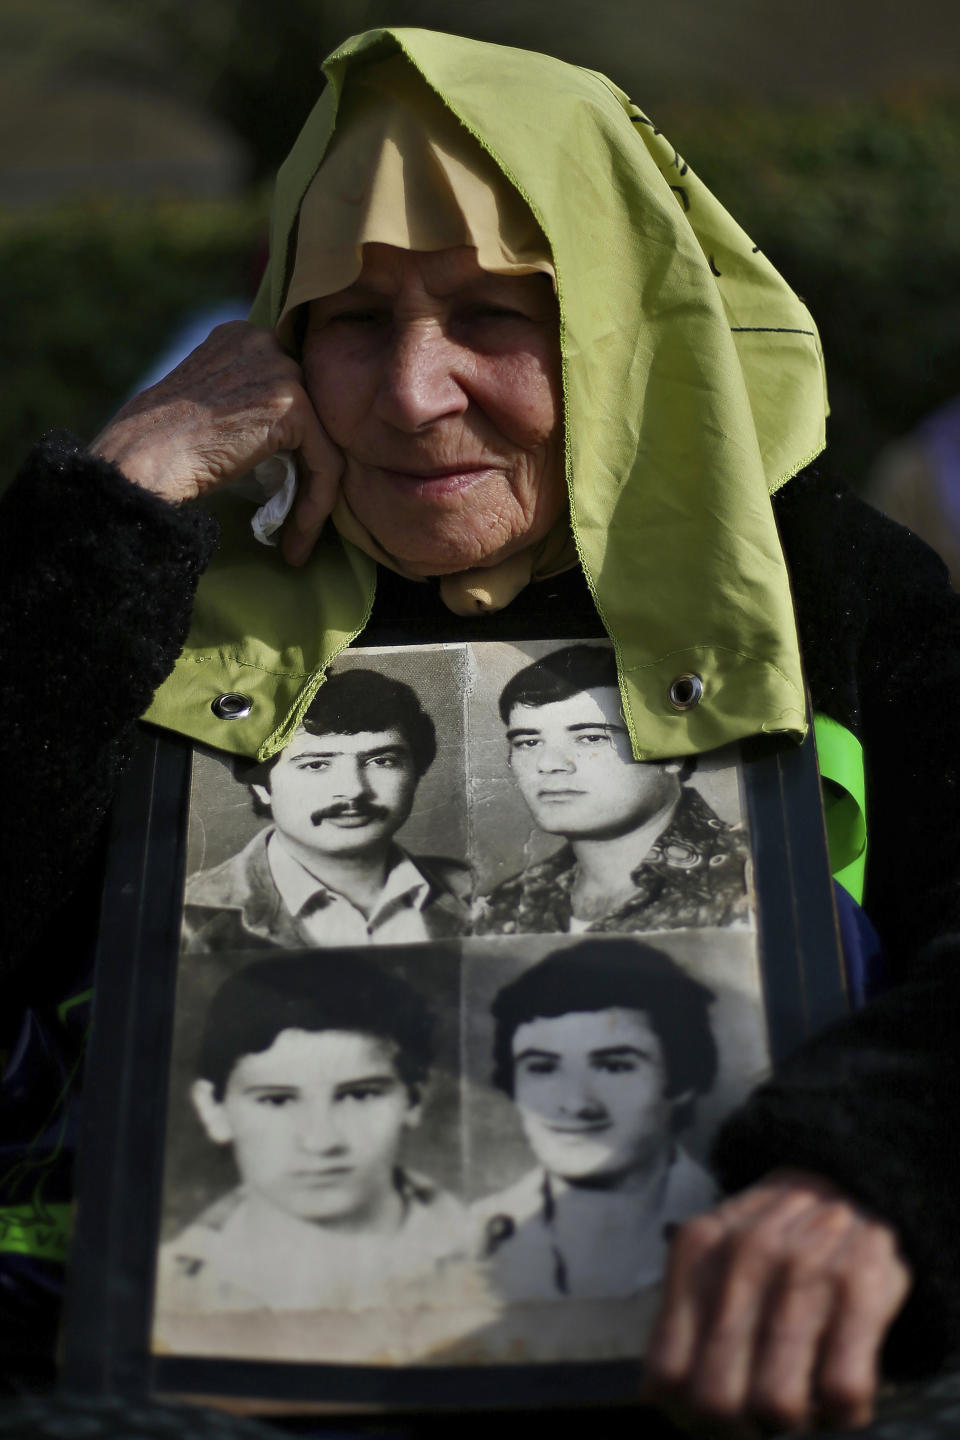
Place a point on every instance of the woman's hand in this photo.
(775, 1308)
(236, 400)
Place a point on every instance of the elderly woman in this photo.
(538, 383)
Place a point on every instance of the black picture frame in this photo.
(106, 1346)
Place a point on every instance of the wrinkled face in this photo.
(440, 383)
(315, 1122)
(575, 769)
(590, 1088)
(341, 794)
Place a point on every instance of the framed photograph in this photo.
(410, 1044)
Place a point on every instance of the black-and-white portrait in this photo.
(440, 791)
(597, 1072)
(619, 846)
(300, 1174)
(462, 1152)
(604, 1049)
(464, 992)
(324, 864)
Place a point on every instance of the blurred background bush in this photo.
(136, 145)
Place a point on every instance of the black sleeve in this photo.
(874, 1103)
(97, 581)
(880, 632)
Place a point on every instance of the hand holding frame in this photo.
(775, 1308)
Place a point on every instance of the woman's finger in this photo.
(800, 1307)
(875, 1283)
(698, 1271)
(673, 1341)
(231, 403)
(733, 1325)
(320, 467)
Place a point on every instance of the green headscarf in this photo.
(693, 387)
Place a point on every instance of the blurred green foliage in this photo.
(89, 294)
(256, 66)
(858, 206)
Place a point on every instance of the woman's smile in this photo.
(437, 483)
(440, 384)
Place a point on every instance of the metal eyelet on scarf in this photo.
(685, 692)
(232, 706)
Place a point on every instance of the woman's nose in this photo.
(420, 382)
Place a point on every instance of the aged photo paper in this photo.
(464, 994)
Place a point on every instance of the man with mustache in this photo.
(328, 871)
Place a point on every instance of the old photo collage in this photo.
(464, 994)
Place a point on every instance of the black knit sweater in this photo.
(96, 587)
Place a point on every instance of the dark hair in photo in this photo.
(352, 701)
(565, 673)
(558, 676)
(601, 975)
(330, 990)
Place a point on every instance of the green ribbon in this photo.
(82, 998)
(840, 755)
(39, 1230)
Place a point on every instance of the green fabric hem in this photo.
(716, 649)
(800, 465)
(232, 657)
(295, 714)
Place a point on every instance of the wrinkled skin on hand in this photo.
(775, 1309)
(236, 400)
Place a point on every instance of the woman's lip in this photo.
(435, 481)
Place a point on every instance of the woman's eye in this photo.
(526, 742)
(359, 317)
(492, 312)
(275, 1102)
(593, 738)
(315, 765)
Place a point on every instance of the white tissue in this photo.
(276, 480)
